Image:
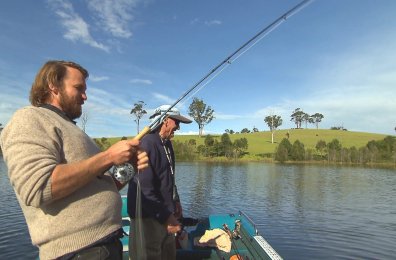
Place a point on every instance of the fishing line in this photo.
(125, 171)
(242, 50)
(203, 85)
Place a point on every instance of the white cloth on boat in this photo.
(216, 238)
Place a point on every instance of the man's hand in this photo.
(122, 151)
(142, 160)
(173, 226)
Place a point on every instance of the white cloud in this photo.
(207, 23)
(114, 16)
(107, 103)
(141, 81)
(163, 98)
(194, 21)
(76, 28)
(221, 116)
(97, 79)
(213, 22)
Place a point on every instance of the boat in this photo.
(245, 240)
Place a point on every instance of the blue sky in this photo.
(334, 57)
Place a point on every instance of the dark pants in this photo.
(107, 248)
(109, 251)
(152, 242)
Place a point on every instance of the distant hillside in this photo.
(260, 142)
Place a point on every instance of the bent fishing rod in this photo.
(121, 170)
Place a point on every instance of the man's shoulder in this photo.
(150, 141)
(28, 113)
(151, 137)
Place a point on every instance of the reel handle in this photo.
(124, 172)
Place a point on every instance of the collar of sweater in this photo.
(58, 111)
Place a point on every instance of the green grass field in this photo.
(260, 142)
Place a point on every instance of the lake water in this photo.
(304, 212)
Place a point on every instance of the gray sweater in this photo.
(33, 143)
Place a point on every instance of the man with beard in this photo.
(69, 198)
(160, 204)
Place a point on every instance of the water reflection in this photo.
(14, 239)
(305, 212)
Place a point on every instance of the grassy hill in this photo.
(260, 142)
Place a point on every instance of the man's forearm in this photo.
(67, 178)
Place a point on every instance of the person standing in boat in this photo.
(70, 202)
(160, 203)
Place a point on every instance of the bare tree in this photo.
(201, 113)
(273, 122)
(1, 128)
(316, 119)
(297, 117)
(84, 120)
(139, 112)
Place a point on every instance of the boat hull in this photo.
(246, 242)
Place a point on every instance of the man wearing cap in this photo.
(160, 204)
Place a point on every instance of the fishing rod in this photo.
(121, 170)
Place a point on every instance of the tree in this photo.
(209, 140)
(229, 131)
(255, 129)
(283, 151)
(321, 146)
(333, 148)
(139, 112)
(1, 128)
(84, 120)
(317, 118)
(297, 151)
(225, 145)
(307, 119)
(245, 131)
(273, 123)
(201, 113)
(297, 117)
(240, 146)
(208, 148)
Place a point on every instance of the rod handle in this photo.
(142, 133)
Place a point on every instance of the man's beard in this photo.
(71, 106)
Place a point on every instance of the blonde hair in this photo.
(53, 72)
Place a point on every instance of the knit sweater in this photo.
(33, 143)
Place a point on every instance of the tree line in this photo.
(381, 151)
(213, 147)
(188, 150)
(374, 152)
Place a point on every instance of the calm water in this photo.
(305, 212)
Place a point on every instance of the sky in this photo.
(336, 58)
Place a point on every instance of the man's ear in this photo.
(53, 89)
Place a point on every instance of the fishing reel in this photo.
(123, 172)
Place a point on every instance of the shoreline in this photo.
(383, 165)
